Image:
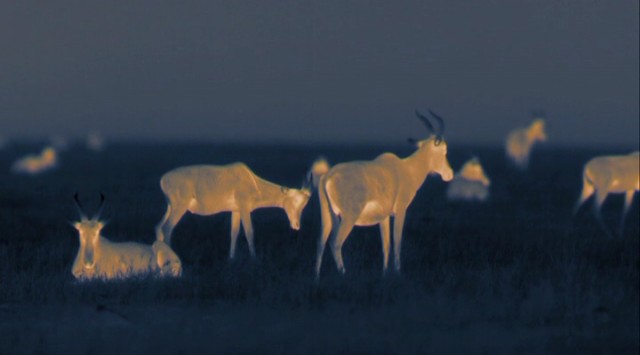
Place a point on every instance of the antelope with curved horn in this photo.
(606, 175)
(470, 183)
(365, 193)
(521, 140)
(99, 258)
(210, 189)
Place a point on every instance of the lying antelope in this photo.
(470, 183)
(365, 193)
(34, 164)
(610, 175)
(99, 258)
(520, 141)
(210, 189)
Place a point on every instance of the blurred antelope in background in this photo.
(606, 175)
(34, 164)
(521, 140)
(470, 183)
(210, 189)
(99, 258)
(365, 193)
(95, 142)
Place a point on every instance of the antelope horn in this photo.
(440, 123)
(100, 207)
(77, 204)
(425, 121)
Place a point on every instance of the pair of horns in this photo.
(79, 207)
(430, 127)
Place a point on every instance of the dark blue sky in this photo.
(320, 71)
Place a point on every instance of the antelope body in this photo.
(100, 258)
(520, 142)
(210, 189)
(34, 164)
(470, 183)
(614, 174)
(364, 193)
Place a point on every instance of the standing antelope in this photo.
(364, 193)
(470, 183)
(34, 164)
(521, 140)
(210, 189)
(606, 175)
(99, 258)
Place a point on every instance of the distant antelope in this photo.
(99, 258)
(610, 175)
(95, 142)
(210, 189)
(34, 164)
(365, 193)
(520, 141)
(470, 183)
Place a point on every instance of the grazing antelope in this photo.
(470, 183)
(520, 141)
(319, 168)
(365, 193)
(34, 164)
(610, 175)
(210, 189)
(99, 258)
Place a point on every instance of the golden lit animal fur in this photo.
(364, 193)
(100, 258)
(319, 168)
(470, 183)
(210, 189)
(34, 164)
(520, 142)
(614, 174)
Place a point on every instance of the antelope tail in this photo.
(318, 169)
(325, 212)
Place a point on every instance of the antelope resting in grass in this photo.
(34, 164)
(520, 141)
(365, 193)
(470, 183)
(610, 175)
(99, 258)
(210, 189)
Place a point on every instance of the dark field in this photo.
(515, 274)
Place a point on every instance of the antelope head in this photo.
(89, 232)
(294, 202)
(435, 147)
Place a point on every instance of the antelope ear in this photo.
(75, 225)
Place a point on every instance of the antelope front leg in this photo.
(248, 232)
(235, 229)
(384, 234)
(398, 224)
